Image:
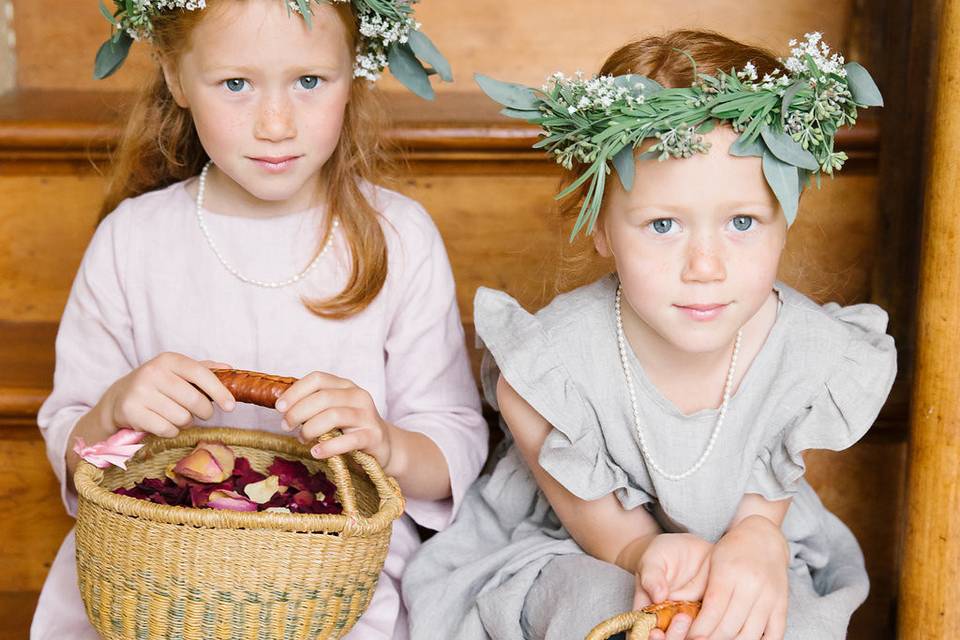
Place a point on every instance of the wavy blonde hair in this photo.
(160, 146)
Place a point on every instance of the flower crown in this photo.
(390, 37)
(788, 119)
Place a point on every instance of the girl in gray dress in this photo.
(657, 418)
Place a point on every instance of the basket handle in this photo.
(264, 390)
(640, 623)
(341, 477)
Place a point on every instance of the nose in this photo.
(275, 120)
(704, 261)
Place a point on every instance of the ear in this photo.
(601, 241)
(172, 77)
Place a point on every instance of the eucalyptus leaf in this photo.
(521, 114)
(106, 13)
(424, 48)
(862, 86)
(707, 126)
(744, 147)
(111, 55)
(788, 97)
(407, 69)
(787, 149)
(784, 182)
(304, 6)
(509, 94)
(625, 165)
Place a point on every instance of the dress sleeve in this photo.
(429, 386)
(843, 407)
(573, 453)
(94, 347)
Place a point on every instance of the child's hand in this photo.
(746, 595)
(159, 396)
(320, 402)
(673, 567)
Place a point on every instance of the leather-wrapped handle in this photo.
(665, 611)
(252, 387)
(639, 624)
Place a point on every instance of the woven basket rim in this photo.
(88, 478)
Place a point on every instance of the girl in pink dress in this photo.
(282, 256)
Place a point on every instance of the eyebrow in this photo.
(738, 204)
(245, 70)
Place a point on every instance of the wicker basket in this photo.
(153, 571)
(639, 624)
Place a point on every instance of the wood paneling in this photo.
(520, 41)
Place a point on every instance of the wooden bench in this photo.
(492, 199)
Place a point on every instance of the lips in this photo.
(701, 307)
(274, 159)
(702, 312)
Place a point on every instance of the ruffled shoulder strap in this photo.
(524, 350)
(852, 363)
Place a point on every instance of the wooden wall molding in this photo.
(43, 126)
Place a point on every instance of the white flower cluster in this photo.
(379, 33)
(818, 50)
(600, 93)
(769, 82)
(138, 25)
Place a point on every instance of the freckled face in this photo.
(267, 95)
(696, 243)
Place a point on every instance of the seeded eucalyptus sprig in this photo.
(390, 38)
(788, 119)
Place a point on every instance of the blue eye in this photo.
(742, 223)
(663, 226)
(235, 84)
(309, 82)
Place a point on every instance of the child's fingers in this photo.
(756, 622)
(188, 396)
(331, 419)
(777, 624)
(307, 385)
(716, 599)
(213, 364)
(742, 603)
(168, 409)
(192, 371)
(143, 419)
(641, 598)
(653, 579)
(678, 627)
(694, 589)
(349, 441)
(320, 401)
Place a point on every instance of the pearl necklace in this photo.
(622, 342)
(268, 285)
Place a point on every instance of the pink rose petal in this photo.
(115, 450)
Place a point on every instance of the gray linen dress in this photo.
(507, 569)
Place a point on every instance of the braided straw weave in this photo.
(153, 571)
(639, 624)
